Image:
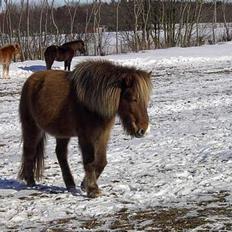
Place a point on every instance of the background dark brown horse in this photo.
(76, 45)
(80, 103)
(7, 53)
(64, 53)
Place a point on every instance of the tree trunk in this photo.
(117, 10)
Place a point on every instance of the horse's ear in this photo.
(17, 46)
(150, 73)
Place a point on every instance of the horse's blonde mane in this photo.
(97, 85)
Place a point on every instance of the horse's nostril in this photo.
(141, 131)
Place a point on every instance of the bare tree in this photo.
(28, 50)
(96, 26)
(43, 4)
(194, 17)
(137, 7)
(72, 10)
(214, 21)
(182, 10)
(224, 3)
(186, 25)
(45, 41)
(199, 38)
(19, 33)
(8, 4)
(169, 22)
(88, 16)
(116, 36)
(146, 9)
(54, 22)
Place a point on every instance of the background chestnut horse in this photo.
(64, 53)
(7, 53)
(80, 103)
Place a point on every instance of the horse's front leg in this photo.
(89, 183)
(4, 71)
(69, 64)
(100, 156)
(65, 65)
(7, 70)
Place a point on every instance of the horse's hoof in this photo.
(94, 193)
(72, 189)
(83, 187)
(31, 183)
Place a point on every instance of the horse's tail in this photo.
(37, 163)
(39, 158)
(33, 139)
(47, 59)
(50, 55)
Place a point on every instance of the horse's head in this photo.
(133, 103)
(17, 51)
(81, 47)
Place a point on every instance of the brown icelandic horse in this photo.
(80, 103)
(64, 53)
(7, 53)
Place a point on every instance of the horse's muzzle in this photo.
(142, 132)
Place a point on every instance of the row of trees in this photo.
(118, 26)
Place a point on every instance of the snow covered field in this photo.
(185, 163)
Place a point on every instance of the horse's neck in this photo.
(73, 46)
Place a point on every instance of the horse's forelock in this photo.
(143, 86)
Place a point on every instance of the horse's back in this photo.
(64, 53)
(45, 94)
(6, 54)
(48, 83)
(50, 54)
(58, 53)
(50, 51)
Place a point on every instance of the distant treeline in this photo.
(138, 24)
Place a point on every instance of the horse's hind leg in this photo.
(67, 65)
(32, 159)
(49, 62)
(61, 152)
(49, 65)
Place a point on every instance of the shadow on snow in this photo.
(34, 68)
(17, 185)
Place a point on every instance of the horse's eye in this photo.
(134, 99)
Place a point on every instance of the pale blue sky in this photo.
(57, 2)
